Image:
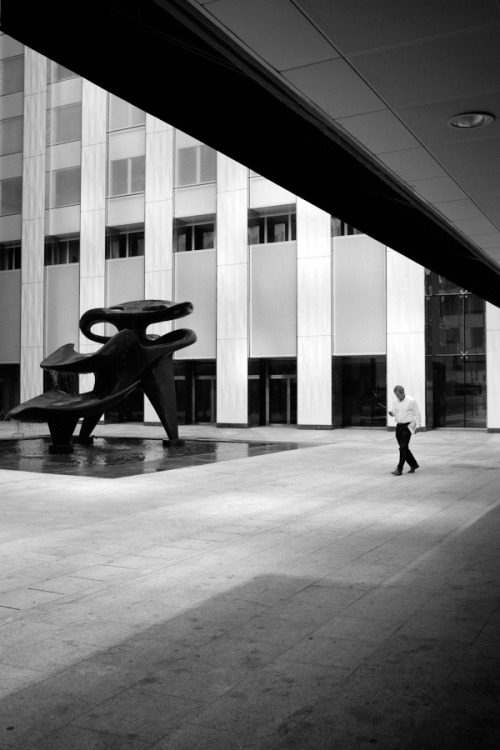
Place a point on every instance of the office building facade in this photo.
(300, 319)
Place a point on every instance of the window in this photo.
(273, 225)
(66, 187)
(124, 115)
(194, 234)
(340, 228)
(67, 123)
(11, 75)
(62, 250)
(60, 73)
(11, 196)
(10, 256)
(127, 176)
(196, 165)
(124, 244)
(11, 135)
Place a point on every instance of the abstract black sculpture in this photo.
(130, 359)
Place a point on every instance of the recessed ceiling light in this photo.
(471, 120)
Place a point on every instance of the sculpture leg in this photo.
(159, 386)
(61, 429)
(85, 435)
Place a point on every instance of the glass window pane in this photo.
(474, 324)
(11, 196)
(60, 73)
(138, 165)
(136, 244)
(203, 236)
(67, 123)
(66, 187)
(11, 135)
(119, 177)
(186, 166)
(11, 75)
(208, 164)
(124, 115)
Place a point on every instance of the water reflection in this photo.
(121, 457)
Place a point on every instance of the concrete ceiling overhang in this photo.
(173, 60)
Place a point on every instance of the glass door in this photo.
(456, 359)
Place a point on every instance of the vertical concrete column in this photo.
(232, 292)
(492, 367)
(93, 210)
(159, 193)
(405, 329)
(33, 220)
(314, 317)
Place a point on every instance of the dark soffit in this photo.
(166, 58)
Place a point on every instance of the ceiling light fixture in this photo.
(471, 120)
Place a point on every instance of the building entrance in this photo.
(359, 389)
(272, 391)
(195, 387)
(455, 355)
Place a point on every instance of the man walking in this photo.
(408, 420)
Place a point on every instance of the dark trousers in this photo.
(403, 436)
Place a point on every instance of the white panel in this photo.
(314, 294)
(93, 176)
(127, 143)
(159, 165)
(405, 329)
(10, 316)
(61, 306)
(406, 367)
(232, 223)
(35, 72)
(230, 174)
(195, 201)
(124, 280)
(64, 220)
(154, 125)
(32, 315)
(314, 381)
(195, 282)
(32, 251)
(66, 155)
(313, 231)
(91, 296)
(232, 382)
(127, 210)
(273, 300)
(94, 114)
(359, 297)
(92, 241)
(34, 125)
(263, 192)
(405, 294)
(158, 236)
(493, 366)
(31, 372)
(232, 301)
(34, 187)
(67, 92)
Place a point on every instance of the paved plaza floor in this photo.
(301, 599)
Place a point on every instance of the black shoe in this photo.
(413, 469)
(397, 473)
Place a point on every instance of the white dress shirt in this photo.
(407, 412)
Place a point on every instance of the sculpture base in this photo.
(60, 448)
(173, 443)
(83, 440)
